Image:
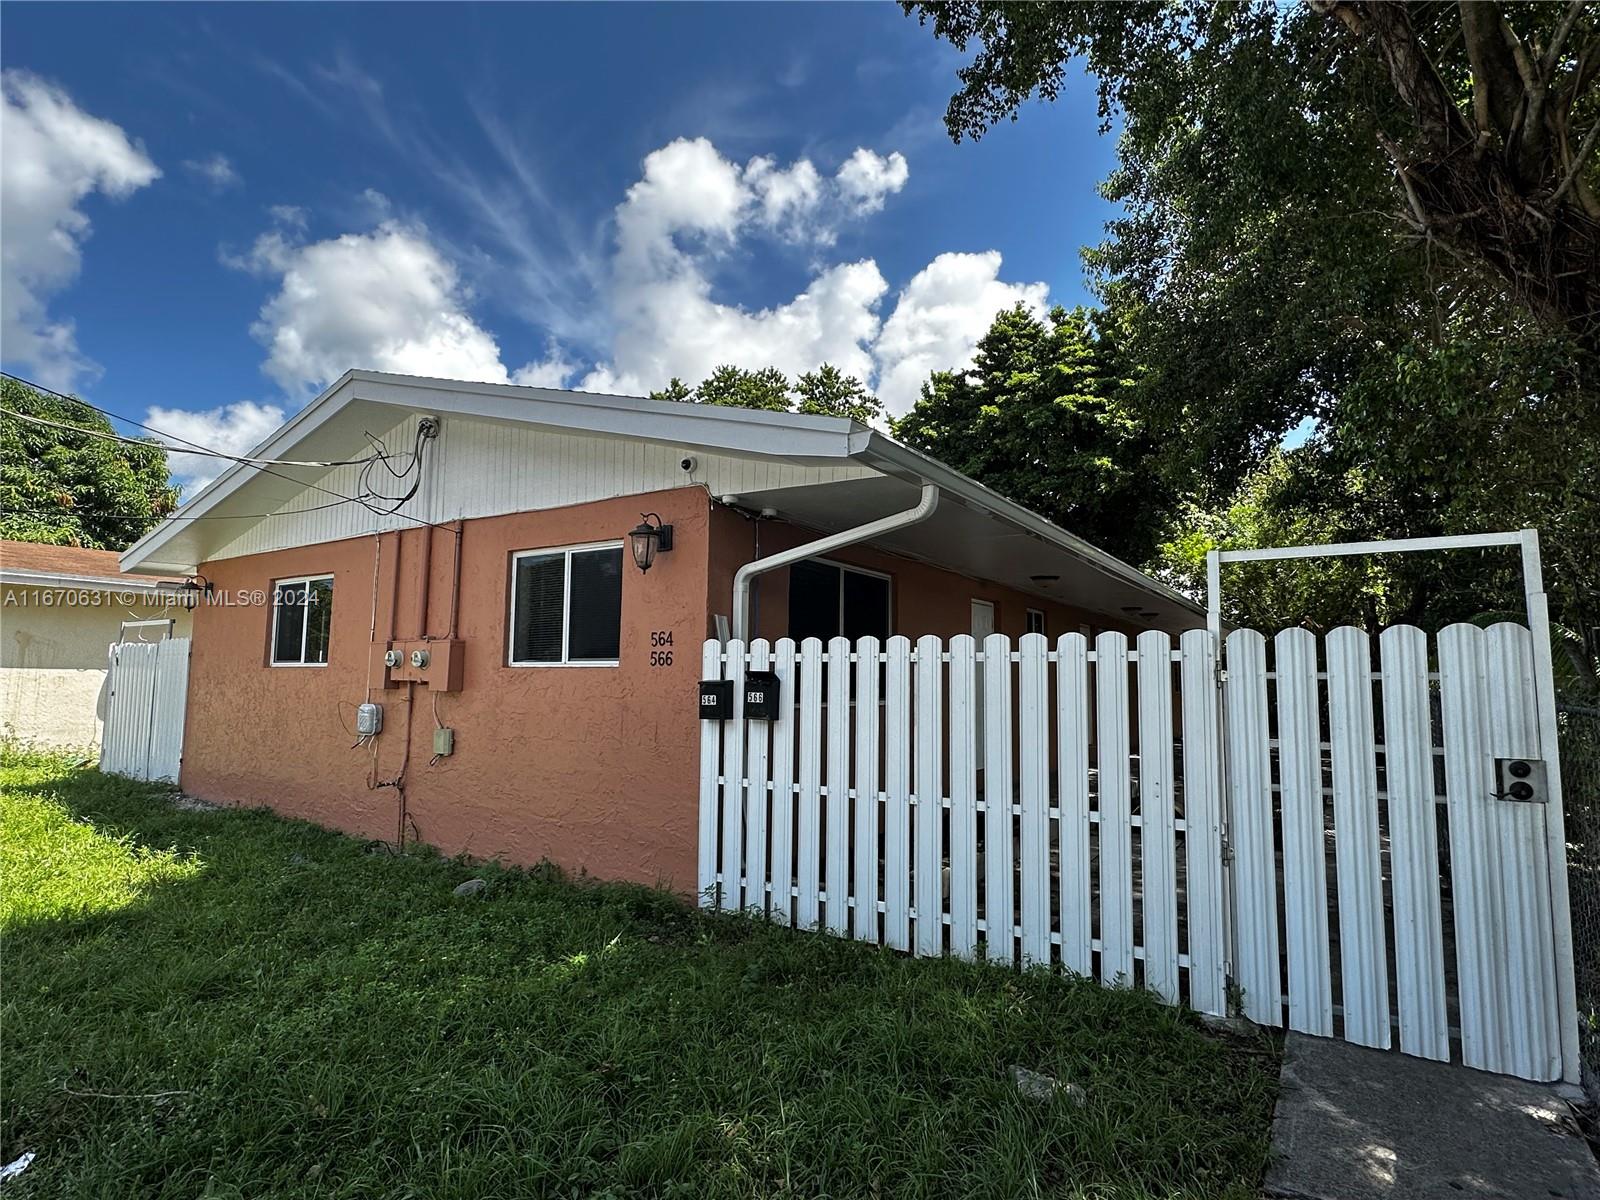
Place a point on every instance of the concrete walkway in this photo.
(1356, 1124)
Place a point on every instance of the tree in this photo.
(827, 392)
(1481, 118)
(1301, 238)
(74, 489)
(1044, 417)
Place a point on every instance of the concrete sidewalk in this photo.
(1357, 1124)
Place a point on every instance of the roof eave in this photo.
(894, 458)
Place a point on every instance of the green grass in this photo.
(233, 1004)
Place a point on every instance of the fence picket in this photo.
(1474, 853)
(963, 885)
(808, 856)
(1363, 955)
(1532, 1036)
(928, 815)
(1305, 871)
(868, 785)
(999, 903)
(757, 734)
(1413, 843)
(1033, 771)
(733, 783)
(1255, 875)
(1072, 770)
(783, 730)
(1158, 829)
(167, 714)
(1202, 820)
(837, 887)
(897, 796)
(1116, 814)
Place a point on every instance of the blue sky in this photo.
(212, 211)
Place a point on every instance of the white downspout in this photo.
(834, 541)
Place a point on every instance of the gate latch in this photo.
(1521, 780)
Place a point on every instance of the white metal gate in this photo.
(147, 690)
(1358, 868)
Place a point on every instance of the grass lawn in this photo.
(233, 1004)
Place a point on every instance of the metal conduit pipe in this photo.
(834, 541)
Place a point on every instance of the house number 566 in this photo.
(661, 647)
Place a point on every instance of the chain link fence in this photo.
(1580, 777)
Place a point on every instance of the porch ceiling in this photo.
(962, 537)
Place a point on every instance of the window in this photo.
(566, 606)
(302, 618)
(827, 600)
(1035, 621)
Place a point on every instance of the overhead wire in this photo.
(265, 465)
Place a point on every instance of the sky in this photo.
(209, 213)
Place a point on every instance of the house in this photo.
(538, 687)
(61, 608)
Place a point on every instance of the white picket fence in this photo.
(1080, 804)
(146, 694)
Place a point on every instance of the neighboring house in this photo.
(61, 608)
(566, 675)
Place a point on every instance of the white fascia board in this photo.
(892, 458)
(56, 581)
(731, 430)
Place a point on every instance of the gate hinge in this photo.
(1222, 676)
(1227, 848)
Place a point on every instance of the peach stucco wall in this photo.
(594, 768)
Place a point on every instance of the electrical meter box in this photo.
(716, 699)
(761, 695)
(369, 719)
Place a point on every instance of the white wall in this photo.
(53, 653)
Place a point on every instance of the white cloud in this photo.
(55, 156)
(690, 207)
(214, 170)
(385, 300)
(291, 216)
(554, 370)
(233, 428)
(392, 299)
(938, 319)
(866, 179)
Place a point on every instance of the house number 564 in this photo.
(661, 647)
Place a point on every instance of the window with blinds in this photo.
(566, 606)
(302, 621)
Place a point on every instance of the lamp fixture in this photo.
(647, 540)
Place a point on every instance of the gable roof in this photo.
(1004, 541)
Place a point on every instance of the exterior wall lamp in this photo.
(647, 539)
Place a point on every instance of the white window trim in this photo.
(566, 606)
(1044, 623)
(888, 592)
(305, 628)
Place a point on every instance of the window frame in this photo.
(305, 628)
(566, 553)
(1027, 619)
(888, 592)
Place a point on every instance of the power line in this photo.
(130, 441)
(258, 464)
